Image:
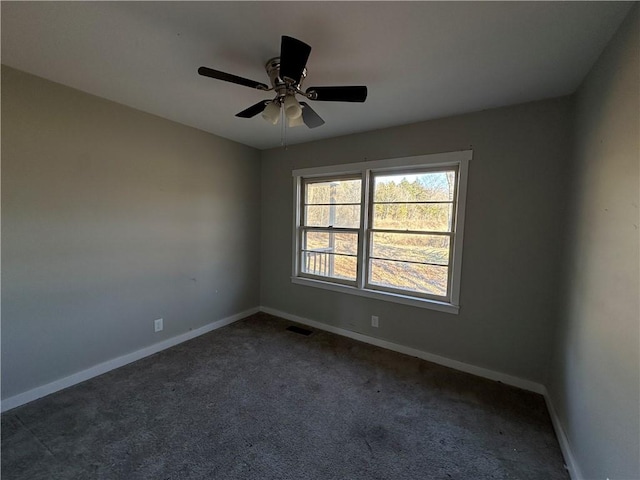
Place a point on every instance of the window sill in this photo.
(384, 296)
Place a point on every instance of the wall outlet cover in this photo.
(158, 325)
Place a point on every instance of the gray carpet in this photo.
(255, 401)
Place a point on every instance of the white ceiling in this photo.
(420, 60)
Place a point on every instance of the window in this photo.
(331, 228)
(389, 229)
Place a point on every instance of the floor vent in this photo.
(301, 331)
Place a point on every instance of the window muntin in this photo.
(346, 216)
(432, 252)
(410, 247)
(427, 217)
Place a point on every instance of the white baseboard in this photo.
(112, 364)
(447, 362)
(44, 390)
(563, 440)
(570, 462)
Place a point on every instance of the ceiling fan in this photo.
(286, 73)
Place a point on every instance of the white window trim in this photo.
(460, 159)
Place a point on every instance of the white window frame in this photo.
(357, 230)
(459, 160)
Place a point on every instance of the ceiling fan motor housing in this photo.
(282, 86)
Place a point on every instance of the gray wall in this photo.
(594, 382)
(515, 213)
(113, 218)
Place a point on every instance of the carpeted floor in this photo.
(255, 401)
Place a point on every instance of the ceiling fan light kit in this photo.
(271, 113)
(296, 122)
(286, 74)
(292, 108)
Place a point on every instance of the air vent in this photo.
(301, 331)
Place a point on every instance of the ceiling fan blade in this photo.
(293, 58)
(338, 94)
(310, 117)
(227, 77)
(253, 110)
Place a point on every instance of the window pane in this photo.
(329, 242)
(332, 215)
(409, 276)
(329, 265)
(421, 187)
(434, 217)
(339, 191)
(414, 248)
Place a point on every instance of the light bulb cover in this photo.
(292, 108)
(271, 113)
(296, 122)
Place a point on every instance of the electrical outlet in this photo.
(157, 325)
(375, 321)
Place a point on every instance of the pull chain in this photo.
(282, 133)
(283, 129)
